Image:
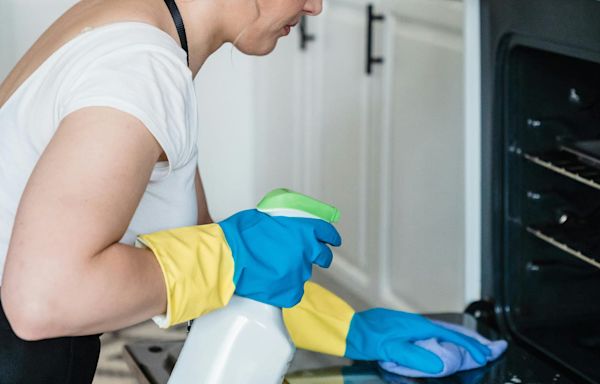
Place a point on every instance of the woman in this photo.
(97, 146)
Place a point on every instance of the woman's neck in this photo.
(204, 29)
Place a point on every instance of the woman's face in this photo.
(268, 20)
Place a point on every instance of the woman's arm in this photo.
(325, 323)
(65, 273)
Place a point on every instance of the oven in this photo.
(541, 177)
(540, 161)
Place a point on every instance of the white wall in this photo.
(21, 22)
(226, 143)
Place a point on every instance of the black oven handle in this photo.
(371, 18)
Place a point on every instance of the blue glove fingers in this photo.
(325, 232)
(478, 351)
(413, 356)
(274, 255)
(324, 257)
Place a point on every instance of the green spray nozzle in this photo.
(285, 199)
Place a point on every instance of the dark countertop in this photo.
(152, 362)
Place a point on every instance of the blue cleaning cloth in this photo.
(454, 357)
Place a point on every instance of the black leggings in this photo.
(66, 360)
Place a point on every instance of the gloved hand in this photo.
(273, 255)
(258, 256)
(455, 357)
(323, 322)
(387, 335)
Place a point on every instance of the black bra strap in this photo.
(178, 20)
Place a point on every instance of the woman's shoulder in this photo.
(121, 39)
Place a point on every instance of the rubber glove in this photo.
(251, 253)
(323, 322)
(455, 357)
(273, 255)
(387, 335)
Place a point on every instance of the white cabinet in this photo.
(423, 256)
(386, 148)
(342, 145)
(313, 124)
(279, 118)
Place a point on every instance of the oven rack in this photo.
(569, 165)
(563, 246)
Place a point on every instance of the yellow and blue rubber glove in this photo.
(262, 257)
(323, 322)
(274, 255)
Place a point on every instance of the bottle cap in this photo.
(285, 199)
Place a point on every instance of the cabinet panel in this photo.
(340, 159)
(226, 133)
(387, 149)
(437, 13)
(426, 174)
(279, 103)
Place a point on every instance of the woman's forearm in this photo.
(125, 285)
(120, 286)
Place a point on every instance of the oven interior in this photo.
(551, 205)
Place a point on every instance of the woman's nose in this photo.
(313, 7)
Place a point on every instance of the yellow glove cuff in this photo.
(320, 322)
(198, 268)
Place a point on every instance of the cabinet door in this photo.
(342, 139)
(423, 256)
(279, 104)
(250, 116)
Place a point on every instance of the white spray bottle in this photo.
(246, 342)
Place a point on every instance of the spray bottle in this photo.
(246, 341)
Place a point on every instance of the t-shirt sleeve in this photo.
(154, 86)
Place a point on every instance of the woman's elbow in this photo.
(31, 318)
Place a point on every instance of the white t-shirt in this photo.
(131, 66)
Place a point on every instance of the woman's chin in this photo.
(259, 50)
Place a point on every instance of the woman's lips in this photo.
(288, 28)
